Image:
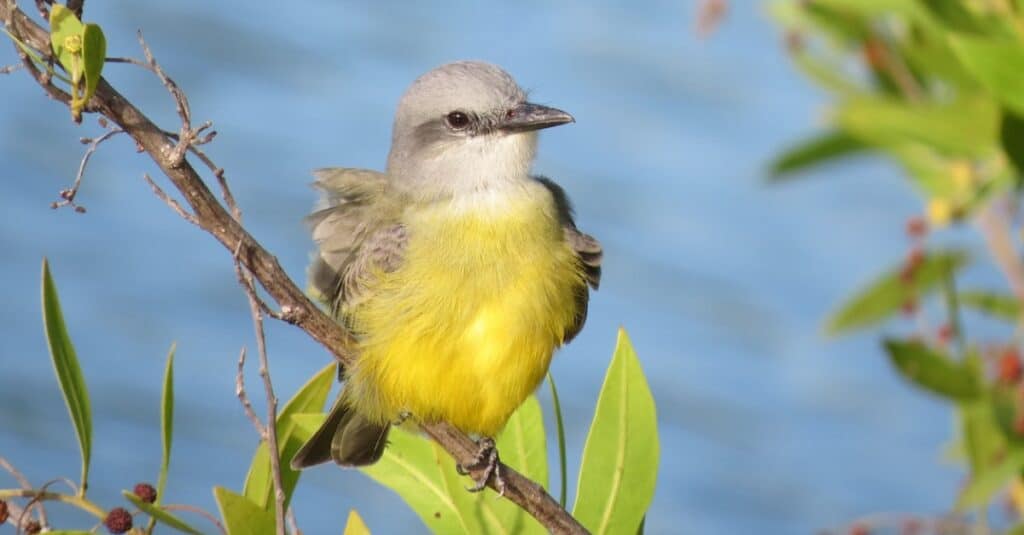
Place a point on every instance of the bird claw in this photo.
(488, 461)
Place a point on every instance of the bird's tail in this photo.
(346, 437)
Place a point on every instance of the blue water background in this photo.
(722, 281)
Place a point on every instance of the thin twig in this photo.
(23, 481)
(994, 224)
(293, 525)
(171, 202)
(199, 511)
(270, 429)
(8, 69)
(186, 135)
(9, 468)
(37, 502)
(244, 397)
(132, 61)
(67, 195)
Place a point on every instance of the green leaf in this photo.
(994, 304)
(355, 524)
(960, 17)
(965, 127)
(69, 374)
(980, 490)
(241, 516)
(94, 56)
(933, 371)
(998, 64)
(818, 150)
(160, 515)
(424, 475)
(65, 30)
(620, 457)
(982, 438)
(166, 423)
(1011, 135)
(888, 293)
(259, 486)
(413, 467)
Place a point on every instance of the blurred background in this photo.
(722, 280)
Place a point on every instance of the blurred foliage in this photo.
(938, 87)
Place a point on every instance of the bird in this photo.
(458, 271)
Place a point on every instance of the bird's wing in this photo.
(357, 232)
(587, 248)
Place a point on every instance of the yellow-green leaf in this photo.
(160, 515)
(355, 524)
(94, 56)
(259, 486)
(982, 439)
(888, 293)
(69, 374)
(620, 458)
(933, 371)
(980, 489)
(65, 31)
(994, 304)
(965, 127)
(166, 424)
(997, 63)
(241, 516)
(818, 150)
(424, 475)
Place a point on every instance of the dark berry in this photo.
(118, 520)
(146, 492)
(1009, 370)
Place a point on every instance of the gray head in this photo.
(465, 124)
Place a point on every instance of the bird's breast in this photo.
(464, 330)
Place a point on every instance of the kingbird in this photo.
(457, 270)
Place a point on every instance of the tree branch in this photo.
(295, 307)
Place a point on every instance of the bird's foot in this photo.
(488, 462)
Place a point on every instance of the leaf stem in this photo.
(69, 499)
(953, 310)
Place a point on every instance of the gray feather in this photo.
(587, 248)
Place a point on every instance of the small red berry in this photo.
(118, 520)
(945, 334)
(917, 227)
(4, 513)
(1010, 369)
(859, 528)
(146, 492)
(911, 526)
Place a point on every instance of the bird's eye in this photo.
(457, 120)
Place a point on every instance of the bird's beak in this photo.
(528, 116)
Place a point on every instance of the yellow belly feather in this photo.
(464, 331)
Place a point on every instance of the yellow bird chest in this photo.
(465, 329)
